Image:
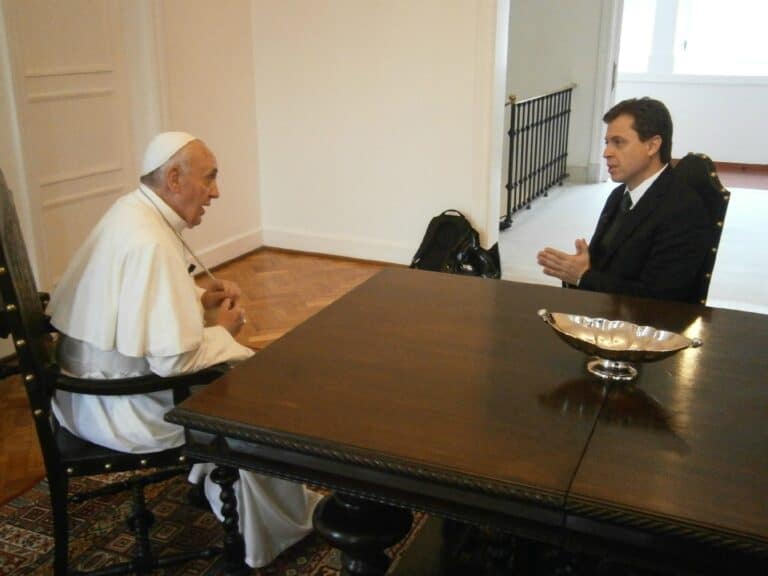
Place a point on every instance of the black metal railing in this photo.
(538, 148)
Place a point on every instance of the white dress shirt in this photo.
(642, 188)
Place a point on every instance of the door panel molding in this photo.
(74, 114)
(74, 198)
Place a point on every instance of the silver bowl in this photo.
(616, 344)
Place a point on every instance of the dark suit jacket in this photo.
(660, 248)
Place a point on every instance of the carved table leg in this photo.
(234, 547)
(361, 529)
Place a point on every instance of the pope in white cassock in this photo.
(126, 306)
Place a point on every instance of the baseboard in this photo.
(735, 166)
(761, 169)
(337, 245)
(335, 257)
(743, 175)
(231, 248)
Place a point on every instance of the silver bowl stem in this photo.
(615, 370)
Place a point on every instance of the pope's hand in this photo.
(231, 316)
(218, 291)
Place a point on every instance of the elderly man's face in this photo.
(629, 159)
(196, 183)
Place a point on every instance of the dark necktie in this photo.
(626, 203)
(618, 218)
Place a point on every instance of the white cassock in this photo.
(126, 306)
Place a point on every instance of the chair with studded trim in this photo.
(698, 172)
(66, 456)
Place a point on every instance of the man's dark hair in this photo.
(650, 118)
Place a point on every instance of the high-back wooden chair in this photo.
(65, 455)
(698, 172)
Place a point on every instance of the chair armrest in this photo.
(138, 385)
(9, 370)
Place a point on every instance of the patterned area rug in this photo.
(99, 535)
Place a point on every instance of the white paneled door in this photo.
(73, 114)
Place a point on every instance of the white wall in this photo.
(726, 120)
(375, 116)
(207, 88)
(189, 65)
(551, 44)
(340, 126)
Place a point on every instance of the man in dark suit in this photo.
(653, 234)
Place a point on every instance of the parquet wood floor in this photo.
(280, 290)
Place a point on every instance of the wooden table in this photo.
(449, 394)
(681, 460)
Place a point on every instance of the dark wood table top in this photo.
(456, 380)
(420, 370)
(686, 450)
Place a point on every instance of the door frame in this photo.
(605, 82)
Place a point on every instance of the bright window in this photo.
(636, 35)
(721, 38)
(694, 37)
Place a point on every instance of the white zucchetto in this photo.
(161, 148)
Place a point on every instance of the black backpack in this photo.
(450, 244)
